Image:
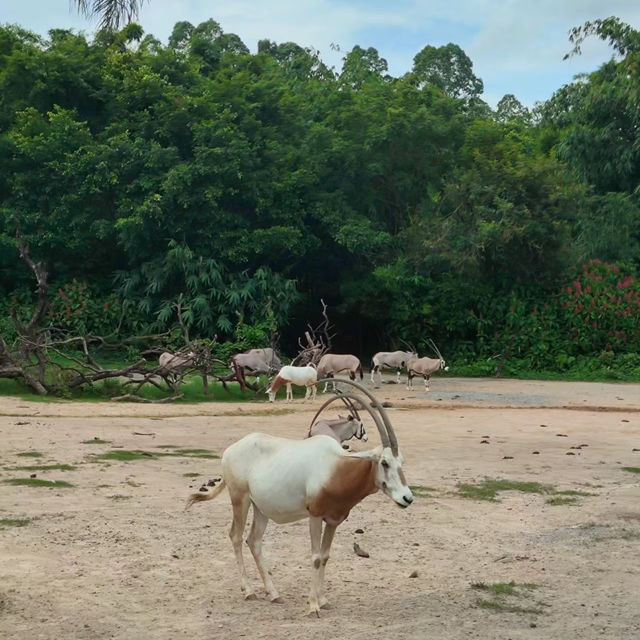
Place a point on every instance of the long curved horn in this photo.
(433, 344)
(340, 396)
(347, 399)
(387, 434)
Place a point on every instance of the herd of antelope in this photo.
(318, 477)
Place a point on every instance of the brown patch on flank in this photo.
(352, 481)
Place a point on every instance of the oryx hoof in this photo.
(314, 612)
(250, 596)
(325, 605)
(277, 600)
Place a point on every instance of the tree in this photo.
(111, 13)
(448, 68)
(510, 108)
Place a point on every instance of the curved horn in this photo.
(433, 344)
(347, 399)
(340, 396)
(387, 434)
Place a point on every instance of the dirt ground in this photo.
(115, 555)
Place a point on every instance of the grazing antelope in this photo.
(390, 360)
(342, 429)
(253, 363)
(301, 376)
(330, 364)
(176, 361)
(288, 480)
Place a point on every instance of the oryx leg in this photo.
(327, 539)
(240, 504)
(409, 380)
(426, 382)
(254, 541)
(398, 375)
(326, 384)
(289, 392)
(315, 531)
(311, 392)
(373, 370)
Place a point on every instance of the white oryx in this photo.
(288, 480)
(425, 367)
(342, 429)
(390, 360)
(331, 364)
(301, 376)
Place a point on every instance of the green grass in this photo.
(191, 475)
(560, 500)
(14, 522)
(103, 390)
(488, 489)
(500, 592)
(420, 490)
(499, 605)
(503, 588)
(124, 455)
(119, 496)
(30, 454)
(631, 469)
(45, 467)
(36, 482)
(96, 441)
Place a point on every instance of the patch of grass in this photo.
(30, 454)
(124, 455)
(191, 475)
(96, 441)
(14, 522)
(489, 488)
(631, 469)
(45, 467)
(421, 490)
(119, 496)
(573, 492)
(504, 588)
(499, 605)
(559, 500)
(36, 482)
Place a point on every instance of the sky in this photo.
(516, 46)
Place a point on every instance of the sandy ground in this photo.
(115, 556)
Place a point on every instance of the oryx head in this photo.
(359, 431)
(389, 475)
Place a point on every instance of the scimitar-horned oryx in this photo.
(288, 480)
(342, 429)
(289, 375)
(390, 360)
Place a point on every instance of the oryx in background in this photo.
(255, 362)
(331, 364)
(390, 360)
(341, 429)
(425, 367)
(289, 375)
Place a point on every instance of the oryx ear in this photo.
(368, 455)
(349, 417)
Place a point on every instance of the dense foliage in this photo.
(236, 189)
